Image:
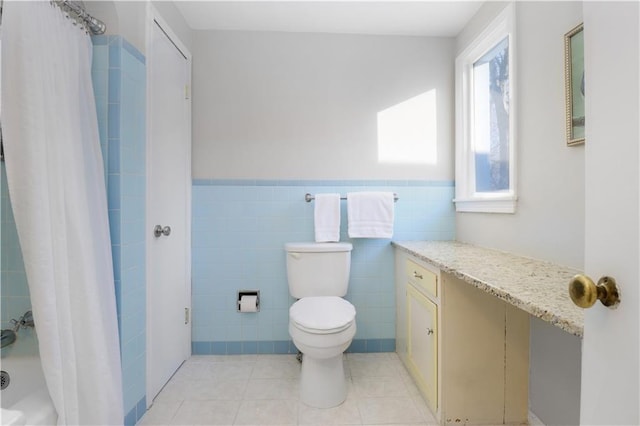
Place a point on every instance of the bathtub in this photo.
(26, 400)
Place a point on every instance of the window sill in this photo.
(486, 205)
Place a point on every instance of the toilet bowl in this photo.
(321, 323)
(322, 328)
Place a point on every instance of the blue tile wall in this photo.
(13, 280)
(239, 230)
(119, 79)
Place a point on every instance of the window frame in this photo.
(467, 199)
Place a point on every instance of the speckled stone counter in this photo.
(537, 287)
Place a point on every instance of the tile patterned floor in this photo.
(263, 390)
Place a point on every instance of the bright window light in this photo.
(407, 132)
(485, 120)
(490, 109)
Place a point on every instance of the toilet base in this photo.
(322, 382)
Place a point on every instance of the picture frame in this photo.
(574, 85)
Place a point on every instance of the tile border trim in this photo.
(283, 347)
(311, 182)
(135, 414)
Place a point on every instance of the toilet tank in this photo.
(318, 269)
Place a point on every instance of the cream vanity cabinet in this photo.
(421, 316)
(466, 350)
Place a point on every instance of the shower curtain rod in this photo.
(95, 25)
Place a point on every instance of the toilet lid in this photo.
(322, 313)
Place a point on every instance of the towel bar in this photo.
(309, 198)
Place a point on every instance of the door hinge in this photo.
(186, 316)
(187, 91)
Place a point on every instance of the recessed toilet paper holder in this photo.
(248, 293)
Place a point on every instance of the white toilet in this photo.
(321, 323)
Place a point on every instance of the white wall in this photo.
(304, 106)
(129, 18)
(549, 221)
(175, 20)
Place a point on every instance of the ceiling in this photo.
(414, 18)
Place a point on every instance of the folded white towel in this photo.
(370, 214)
(326, 218)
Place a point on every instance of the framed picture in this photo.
(574, 84)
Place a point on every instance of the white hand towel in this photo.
(370, 214)
(326, 217)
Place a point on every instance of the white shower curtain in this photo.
(57, 190)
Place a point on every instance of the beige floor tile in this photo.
(346, 413)
(194, 371)
(264, 390)
(160, 413)
(173, 391)
(409, 383)
(374, 367)
(401, 424)
(230, 390)
(276, 368)
(222, 358)
(424, 410)
(272, 389)
(384, 356)
(231, 370)
(388, 410)
(376, 387)
(206, 413)
(268, 412)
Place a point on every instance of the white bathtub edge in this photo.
(37, 409)
(12, 417)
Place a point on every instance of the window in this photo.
(485, 154)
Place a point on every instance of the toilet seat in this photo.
(322, 315)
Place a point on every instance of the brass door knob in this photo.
(584, 292)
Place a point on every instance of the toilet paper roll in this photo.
(249, 304)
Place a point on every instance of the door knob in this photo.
(158, 231)
(584, 292)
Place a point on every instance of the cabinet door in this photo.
(422, 336)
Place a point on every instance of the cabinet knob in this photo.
(584, 292)
(429, 331)
(417, 275)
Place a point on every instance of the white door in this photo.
(610, 372)
(169, 199)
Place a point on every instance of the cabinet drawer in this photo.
(422, 278)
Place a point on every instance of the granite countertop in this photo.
(537, 287)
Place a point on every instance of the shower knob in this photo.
(158, 231)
